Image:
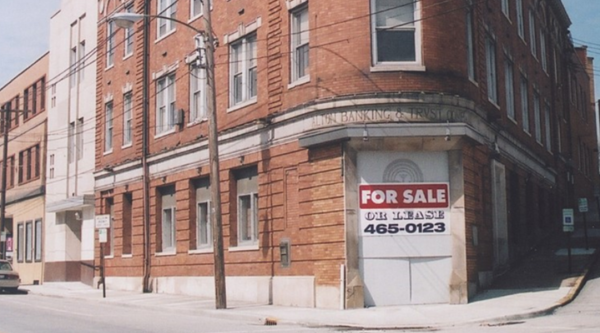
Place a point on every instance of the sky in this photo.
(21, 44)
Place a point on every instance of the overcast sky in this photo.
(25, 24)
(24, 34)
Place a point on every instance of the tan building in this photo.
(25, 97)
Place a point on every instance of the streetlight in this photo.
(126, 20)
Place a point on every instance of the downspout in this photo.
(145, 179)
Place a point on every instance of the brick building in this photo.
(25, 96)
(372, 152)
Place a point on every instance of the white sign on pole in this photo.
(568, 220)
(102, 221)
(583, 205)
(103, 235)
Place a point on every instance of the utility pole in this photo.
(213, 151)
(5, 128)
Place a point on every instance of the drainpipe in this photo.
(145, 113)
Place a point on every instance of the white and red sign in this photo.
(404, 209)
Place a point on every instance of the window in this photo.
(29, 164)
(166, 8)
(11, 172)
(195, 8)
(520, 24)
(26, 101)
(127, 226)
(20, 242)
(202, 231)
(505, 7)
(29, 241)
(81, 61)
(127, 118)
(543, 51)
(38, 240)
(547, 126)
(395, 31)
(108, 127)
(51, 162)
(299, 43)
(243, 70)
(509, 88)
(129, 35)
(536, 117)
(73, 67)
(71, 142)
(524, 105)
(79, 139)
(167, 223)
(490, 58)
(470, 44)
(247, 206)
(532, 42)
(198, 91)
(110, 43)
(109, 246)
(165, 104)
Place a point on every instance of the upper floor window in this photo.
(198, 91)
(127, 118)
(543, 55)
(108, 126)
(490, 57)
(165, 103)
(166, 8)
(524, 105)
(537, 117)
(110, 44)
(71, 148)
(299, 43)
(29, 164)
(548, 127)
(395, 32)
(129, 35)
(505, 8)
(243, 80)
(195, 8)
(470, 44)
(532, 41)
(520, 24)
(509, 88)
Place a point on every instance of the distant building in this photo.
(372, 152)
(69, 228)
(25, 95)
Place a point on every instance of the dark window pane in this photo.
(395, 45)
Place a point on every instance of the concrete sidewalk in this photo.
(540, 284)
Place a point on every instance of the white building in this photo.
(69, 232)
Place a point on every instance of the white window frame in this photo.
(110, 44)
(524, 104)
(537, 117)
(299, 44)
(492, 73)
(38, 241)
(127, 118)
(165, 8)
(509, 88)
(168, 230)
(548, 127)
(532, 39)
(108, 126)
(79, 138)
(243, 54)
(165, 104)
(203, 225)
(520, 19)
(81, 62)
(128, 49)
(29, 241)
(196, 8)
(505, 8)
(73, 66)
(198, 90)
(71, 145)
(247, 230)
(416, 64)
(543, 55)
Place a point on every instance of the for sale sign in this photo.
(404, 209)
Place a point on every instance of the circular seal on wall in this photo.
(402, 171)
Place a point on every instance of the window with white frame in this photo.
(520, 18)
(395, 32)
(165, 103)
(543, 50)
(243, 70)
(110, 43)
(490, 60)
(198, 90)
(29, 241)
(524, 105)
(505, 7)
(81, 62)
(108, 126)
(470, 44)
(196, 8)
(166, 8)
(509, 88)
(73, 67)
(532, 41)
(127, 118)
(537, 117)
(71, 149)
(247, 206)
(167, 225)
(548, 128)
(299, 42)
(38, 240)
(79, 139)
(129, 35)
(200, 229)
(20, 242)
